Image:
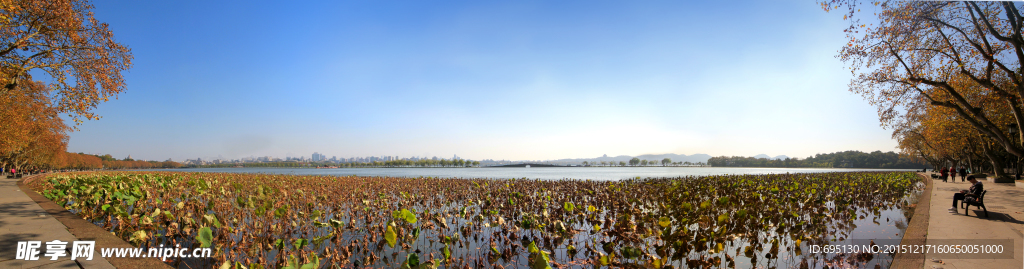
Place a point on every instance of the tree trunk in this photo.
(997, 164)
(970, 163)
(1016, 170)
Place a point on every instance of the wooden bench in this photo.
(979, 203)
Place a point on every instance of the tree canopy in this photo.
(77, 53)
(844, 159)
(77, 65)
(964, 56)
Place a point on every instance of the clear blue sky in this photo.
(481, 79)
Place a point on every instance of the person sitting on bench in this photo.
(973, 193)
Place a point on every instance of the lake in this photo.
(840, 220)
(548, 173)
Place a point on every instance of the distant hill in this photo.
(765, 156)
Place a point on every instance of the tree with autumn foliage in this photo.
(78, 54)
(77, 64)
(33, 133)
(945, 76)
(939, 136)
(76, 161)
(916, 53)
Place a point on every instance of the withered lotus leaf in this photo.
(687, 222)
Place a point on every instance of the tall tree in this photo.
(32, 131)
(62, 39)
(924, 53)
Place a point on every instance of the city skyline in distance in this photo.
(317, 157)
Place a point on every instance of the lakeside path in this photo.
(28, 216)
(22, 219)
(1005, 203)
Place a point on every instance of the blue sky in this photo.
(481, 79)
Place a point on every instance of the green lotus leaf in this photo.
(145, 220)
(391, 236)
(447, 252)
(495, 251)
(687, 207)
(211, 220)
(300, 243)
(540, 261)
(406, 215)
(336, 223)
(605, 259)
(412, 260)
(320, 239)
(664, 221)
(205, 237)
(532, 248)
(139, 236)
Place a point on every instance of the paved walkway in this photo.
(1005, 203)
(22, 219)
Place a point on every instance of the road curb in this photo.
(917, 229)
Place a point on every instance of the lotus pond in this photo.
(278, 221)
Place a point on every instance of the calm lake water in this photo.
(550, 173)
